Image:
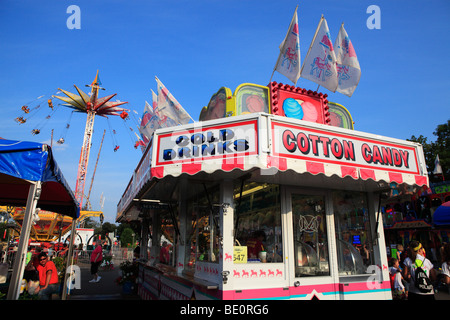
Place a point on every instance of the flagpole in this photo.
(279, 55)
(312, 42)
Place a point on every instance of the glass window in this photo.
(310, 236)
(257, 221)
(203, 230)
(354, 245)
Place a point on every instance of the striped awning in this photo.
(266, 141)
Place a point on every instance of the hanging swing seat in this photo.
(124, 115)
(21, 120)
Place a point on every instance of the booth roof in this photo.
(23, 162)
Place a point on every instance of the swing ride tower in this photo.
(93, 106)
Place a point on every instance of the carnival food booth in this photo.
(271, 195)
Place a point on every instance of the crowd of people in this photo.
(41, 274)
(414, 277)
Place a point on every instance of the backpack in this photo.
(421, 280)
(392, 280)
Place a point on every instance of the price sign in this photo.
(240, 255)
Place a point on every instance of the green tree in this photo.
(126, 237)
(440, 147)
(90, 223)
(108, 228)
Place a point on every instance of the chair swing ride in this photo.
(90, 104)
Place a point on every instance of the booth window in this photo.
(257, 221)
(203, 228)
(354, 239)
(310, 236)
(169, 234)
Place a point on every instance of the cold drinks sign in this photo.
(313, 144)
(204, 143)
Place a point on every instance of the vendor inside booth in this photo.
(261, 205)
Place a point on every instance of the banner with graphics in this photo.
(320, 63)
(288, 63)
(168, 108)
(349, 71)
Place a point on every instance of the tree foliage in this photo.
(125, 233)
(439, 147)
(126, 238)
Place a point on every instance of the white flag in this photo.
(349, 71)
(437, 166)
(155, 100)
(288, 63)
(320, 62)
(168, 108)
(149, 123)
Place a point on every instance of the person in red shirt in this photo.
(96, 260)
(255, 244)
(164, 255)
(48, 277)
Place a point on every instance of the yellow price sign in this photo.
(240, 255)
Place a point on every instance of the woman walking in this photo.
(96, 260)
(420, 287)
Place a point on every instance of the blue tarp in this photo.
(23, 161)
(441, 216)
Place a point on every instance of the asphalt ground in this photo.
(105, 289)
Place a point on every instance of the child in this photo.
(398, 289)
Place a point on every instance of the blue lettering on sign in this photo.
(206, 144)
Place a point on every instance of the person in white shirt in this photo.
(419, 259)
(445, 273)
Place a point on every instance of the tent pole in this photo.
(34, 192)
(69, 258)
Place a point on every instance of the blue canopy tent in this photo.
(441, 216)
(30, 177)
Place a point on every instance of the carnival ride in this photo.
(90, 104)
(47, 226)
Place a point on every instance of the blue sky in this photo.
(195, 47)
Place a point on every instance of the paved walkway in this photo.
(105, 289)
